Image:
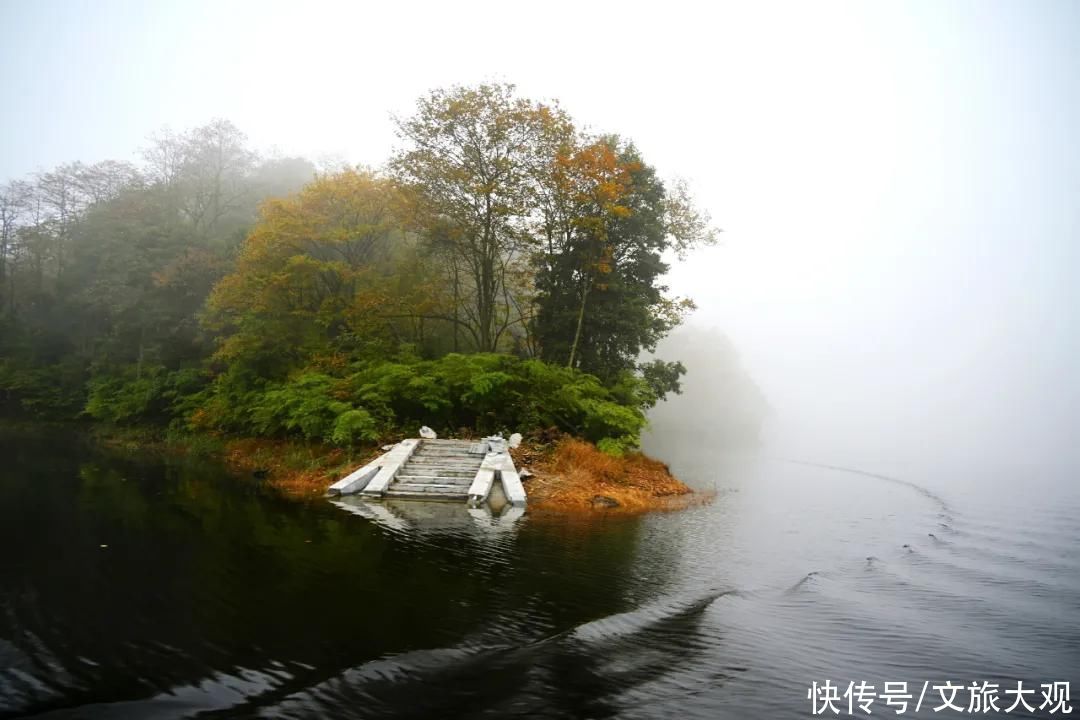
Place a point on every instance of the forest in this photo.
(503, 270)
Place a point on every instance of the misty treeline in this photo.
(503, 270)
(720, 403)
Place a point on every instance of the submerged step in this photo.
(427, 496)
(451, 488)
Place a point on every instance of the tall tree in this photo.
(594, 184)
(214, 175)
(209, 172)
(470, 164)
(13, 198)
(125, 257)
(608, 223)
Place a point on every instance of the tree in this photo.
(130, 256)
(500, 229)
(608, 223)
(105, 267)
(213, 175)
(208, 171)
(13, 198)
(470, 168)
(591, 184)
(309, 276)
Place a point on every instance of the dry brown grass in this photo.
(570, 474)
(296, 469)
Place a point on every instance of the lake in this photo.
(161, 587)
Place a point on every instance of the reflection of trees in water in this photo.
(203, 575)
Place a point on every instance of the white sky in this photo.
(898, 182)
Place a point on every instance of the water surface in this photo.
(162, 588)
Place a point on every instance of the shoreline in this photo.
(561, 474)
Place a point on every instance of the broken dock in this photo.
(448, 470)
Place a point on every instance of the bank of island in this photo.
(557, 473)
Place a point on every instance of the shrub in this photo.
(490, 392)
(353, 426)
(303, 406)
(486, 392)
(129, 394)
(50, 391)
(615, 447)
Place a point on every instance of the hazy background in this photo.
(898, 183)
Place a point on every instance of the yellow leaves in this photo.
(309, 262)
(597, 181)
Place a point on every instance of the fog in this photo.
(897, 182)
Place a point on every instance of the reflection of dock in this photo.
(439, 517)
(454, 470)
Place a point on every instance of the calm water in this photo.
(160, 588)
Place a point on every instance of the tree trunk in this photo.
(580, 322)
(457, 305)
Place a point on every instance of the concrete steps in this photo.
(439, 479)
(417, 469)
(455, 464)
(437, 470)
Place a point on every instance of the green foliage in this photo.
(601, 300)
(108, 265)
(658, 378)
(308, 405)
(485, 392)
(353, 426)
(53, 391)
(119, 399)
(303, 406)
(130, 394)
(226, 403)
(615, 448)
